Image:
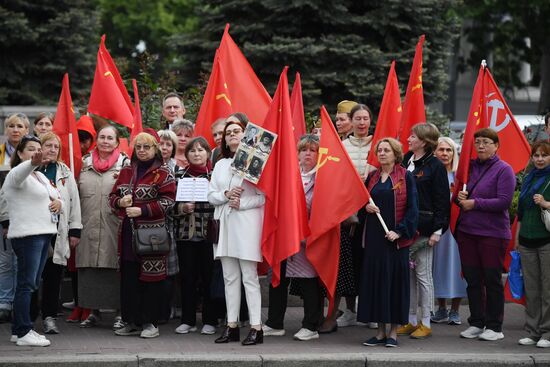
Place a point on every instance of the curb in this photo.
(275, 360)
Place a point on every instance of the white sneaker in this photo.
(471, 333)
(185, 329)
(491, 335)
(208, 329)
(49, 326)
(543, 343)
(31, 340)
(306, 334)
(527, 341)
(348, 318)
(128, 330)
(14, 338)
(269, 331)
(149, 331)
(69, 305)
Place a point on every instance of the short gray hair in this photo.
(180, 124)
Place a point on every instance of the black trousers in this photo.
(311, 294)
(196, 261)
(140, 302)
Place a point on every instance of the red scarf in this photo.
(104, 165)
(196, 171)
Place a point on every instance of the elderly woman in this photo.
(184, 130)
(195, 252)
(239, 207)
(15, 127)
(96, 254)
(167, 144)
(447, 274)
(298, 268)
(532, 241)
(433, 219)
(384, 286)
(43, 123)
(483, 233)
(68, 229)
(143, 193)
(34, 205)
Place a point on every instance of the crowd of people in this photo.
(91, 227)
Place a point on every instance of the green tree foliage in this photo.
(127, 23)
(499, 28)
(342, 49)
(40, 41)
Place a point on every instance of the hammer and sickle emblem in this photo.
(108, 73)
(220, 96)
(324, 152)
(495, 106)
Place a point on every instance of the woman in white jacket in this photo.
(33, 206)
(239, 206)
(68, 229)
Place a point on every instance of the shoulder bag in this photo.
(545, 213)
(151, 241)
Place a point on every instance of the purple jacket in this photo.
(493, 196)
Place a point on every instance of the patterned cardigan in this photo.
(191, 227)
(154, 193)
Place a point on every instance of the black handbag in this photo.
(152, 241)
(213, 230)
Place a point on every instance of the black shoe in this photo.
(229, 334)
(254, 337)
(5, 315)
(374, 341)
(333, 329)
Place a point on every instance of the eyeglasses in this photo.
(143, 147)
(479, 143)
(234, 131)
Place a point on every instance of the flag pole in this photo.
(380, 218)
(483, 65)
(71, 150)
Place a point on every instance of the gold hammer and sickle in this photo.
(321, 162)
(220, 96)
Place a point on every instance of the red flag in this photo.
(413, 107)
(249, 95)
(109, 98)
(489, 109)
(389, 116)
(297, 108)
(285, 219)
(331, 206)
(216, 102)
(65, 127)
(138, 124)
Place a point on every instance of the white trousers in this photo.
(422, 283)
(233, 271)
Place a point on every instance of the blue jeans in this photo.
(8, 272)
(32, 253)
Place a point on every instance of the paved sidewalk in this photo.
(100, 347)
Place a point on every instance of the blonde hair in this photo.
(17, 117)
(50, 136)
(450, 142)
